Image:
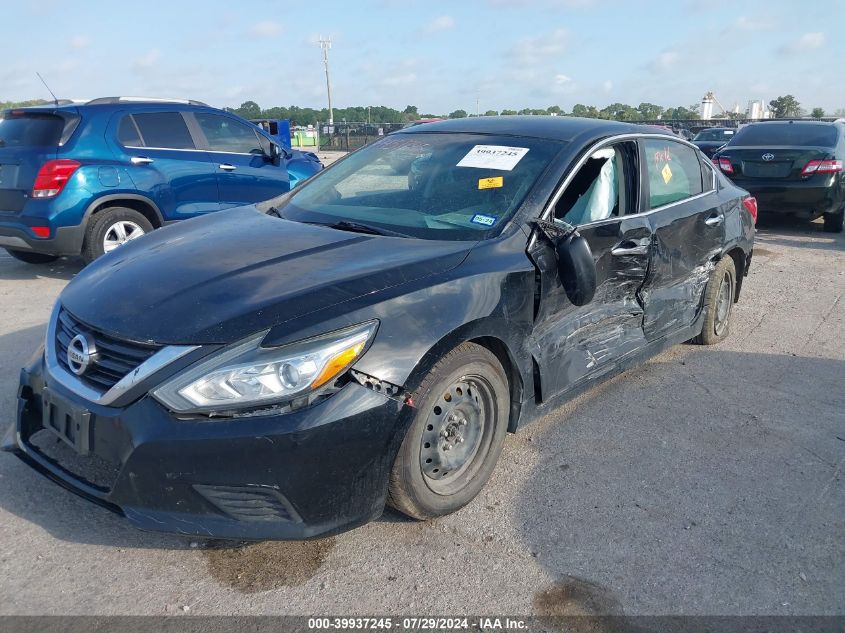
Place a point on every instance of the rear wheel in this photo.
(456, 436)
(32, 258)
(111, 228)
(718, 303)
(835, 222)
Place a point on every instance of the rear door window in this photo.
(30, 129)
(801, 134)
(672, 170)
(127, 133)
(228, 135)
(166, 130)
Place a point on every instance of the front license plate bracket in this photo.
(69, 423)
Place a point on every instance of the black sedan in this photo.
(711, 139)
(791, 168)
(284, 371)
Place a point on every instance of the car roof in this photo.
(556, 128)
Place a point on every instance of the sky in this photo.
(437, 55)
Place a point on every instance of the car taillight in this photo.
(822, 167)
(53, 176)
(750, 204)
(725, 165)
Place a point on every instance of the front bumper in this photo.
(802, 198)
(303, 474)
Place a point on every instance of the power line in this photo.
(325, 45)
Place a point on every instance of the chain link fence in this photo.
(348, 136)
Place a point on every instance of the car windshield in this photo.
(29, 130)
(806, 134)
(431, 186)
(714, 135)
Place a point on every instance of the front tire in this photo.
(32, 258)
(455, 437)
(834, 222)
(718, 303)
(111, 228)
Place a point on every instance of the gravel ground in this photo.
(707, 481)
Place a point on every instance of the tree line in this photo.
(785, 106)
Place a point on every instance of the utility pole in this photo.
(325, 45)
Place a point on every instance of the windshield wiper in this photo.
(358, 227)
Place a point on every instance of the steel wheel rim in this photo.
(723, 304)
(457, 434)
(119, 233)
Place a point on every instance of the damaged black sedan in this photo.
(283, 371)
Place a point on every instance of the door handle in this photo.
(227, 167)
(140, 160)
(715, 220)
(632, 247)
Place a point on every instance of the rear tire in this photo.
(718, 303)
(111, 227)
(32, 258)
(835, 222)
(456, 436)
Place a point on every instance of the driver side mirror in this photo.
(576, 268)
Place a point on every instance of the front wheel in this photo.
(110, 228)
(718, 303)
(32, 258)
(455, 437)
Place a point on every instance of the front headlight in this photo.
(247, 375)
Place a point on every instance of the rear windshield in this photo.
(817, 134)
(29, 129)
(714, 135)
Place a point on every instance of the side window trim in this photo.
(194, 129)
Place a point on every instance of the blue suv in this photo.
(82, 179)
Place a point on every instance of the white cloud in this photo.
(744, 23)
(442, 23)
(147, 60)
(807, 42)
(665, 61)
(533, 50)
(607, 86)
(78, 42)
(400, 80)
(562, 79)
(266, 28)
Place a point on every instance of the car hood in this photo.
(220, 278)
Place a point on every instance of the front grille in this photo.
(115, 358)
(249, 503)
(91, 469)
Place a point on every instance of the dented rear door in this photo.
(689, 232)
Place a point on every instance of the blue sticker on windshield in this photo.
(484, 220)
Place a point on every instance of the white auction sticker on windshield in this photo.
(493, 157)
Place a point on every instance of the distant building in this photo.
(707, 106)
(758, 110)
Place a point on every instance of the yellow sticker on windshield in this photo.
(666, 173)
(491, 183)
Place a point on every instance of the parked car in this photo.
(791, 167)
(82, 179)
(370, 337)
(712, 138)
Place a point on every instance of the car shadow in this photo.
(704, 481)
(64, 268)
(783, 231)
